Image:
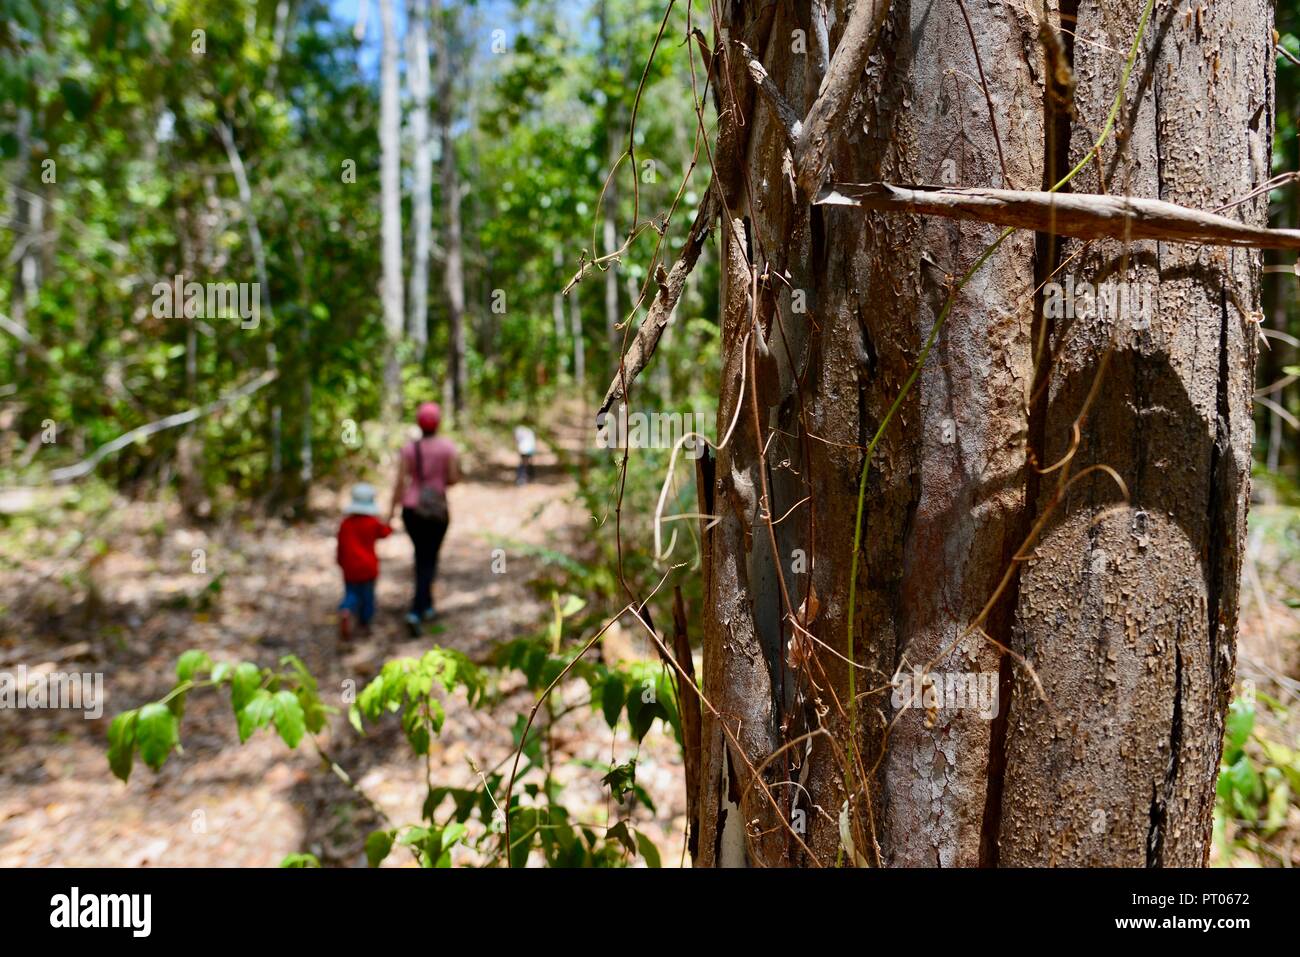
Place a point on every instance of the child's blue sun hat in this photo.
(363, 500)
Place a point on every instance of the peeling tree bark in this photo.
(1126, 614)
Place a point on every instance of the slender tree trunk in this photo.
(189, 447)
(363, 16)
(579, 345)
(478, 316)
(454, 275)
(267, 309)
(609, 209)
(613, 335)
(1102, 745)
(28, 207)
(390, 188)
(558, 320)
(279, 37)
(417, 74)
(306, 366)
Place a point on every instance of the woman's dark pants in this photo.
(426, 535)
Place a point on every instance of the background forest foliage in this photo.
(111, 136)
(125, 130)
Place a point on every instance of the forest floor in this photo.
(134, 606)
(116, 594)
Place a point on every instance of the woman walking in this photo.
(425, 469)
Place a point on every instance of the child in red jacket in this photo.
(357, 536)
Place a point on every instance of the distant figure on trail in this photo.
(526, 446)
(358, 532)
(426, 468)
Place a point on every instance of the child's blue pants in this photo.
(359, 598)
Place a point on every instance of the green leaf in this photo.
(245, 681)
(413, 836)
(76, 97)
(1279, 802)
(416, 729)
(257, 713)
(176, 704)
(667, 695)
(532, 665)
(533, 746)
(300, 860)
(621, 779)
(431, 801)
(289, 718)
(452, 833)
(156, 733)
(313, 709)
(525, 822)
(641, 713)
(121, 744)
(611, 698)
(620, 833)
(191, 663)
(1242, 783)
(374, 698)
(1239, 724)
(646, 717)
(648, 850)
(378, 844)
(437, 715)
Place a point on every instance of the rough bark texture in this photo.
(1129, 615)
(1126, 614)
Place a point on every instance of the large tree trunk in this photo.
(1120, 617)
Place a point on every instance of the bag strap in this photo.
(419, 463)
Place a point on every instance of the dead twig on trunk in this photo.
(790, 121)
(1078, 215)
(665, 301)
